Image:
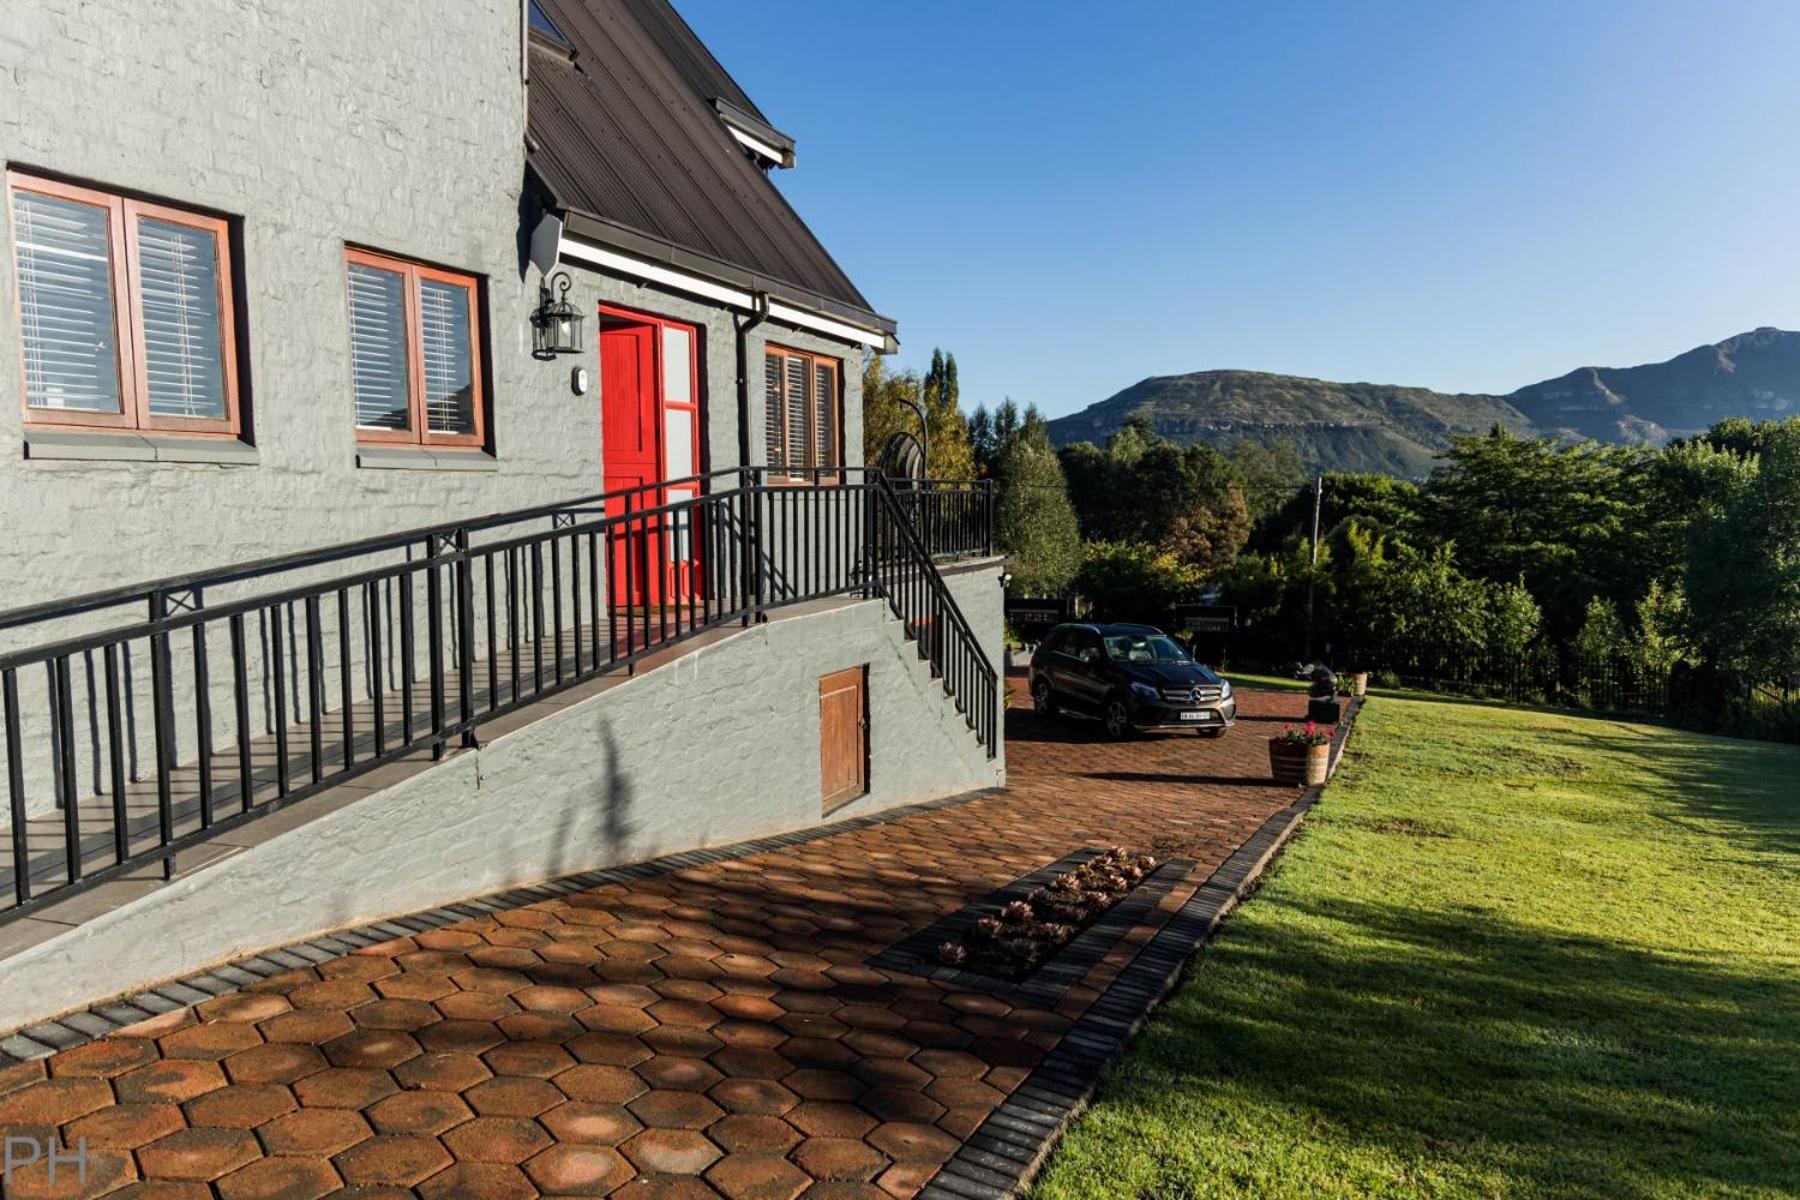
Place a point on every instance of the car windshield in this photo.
(1143, 648)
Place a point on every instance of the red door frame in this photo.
(641, 400)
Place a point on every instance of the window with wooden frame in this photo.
(803, 410)
(125, 311)
(415, 352)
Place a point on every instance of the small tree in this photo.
(1432, 613)
(1661, 638)
(1511, 622)
(1035, 522)
(1602, 632)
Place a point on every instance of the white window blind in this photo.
(378, 347)
(775, 412)
(178, 297)
(796, 413)
(66, 308)
(825, 419)
(449, 380)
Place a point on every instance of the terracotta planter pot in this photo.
(1357, 684)
(1298, 765)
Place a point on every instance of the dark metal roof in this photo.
(627, 139)
(689, 55)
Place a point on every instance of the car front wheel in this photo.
(1118, 718)
(1041, 699)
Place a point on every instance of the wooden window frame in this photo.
(128, 314)
(814, 472)
(419, 432)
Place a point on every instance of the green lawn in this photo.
(1512, 953)
(1272, 683)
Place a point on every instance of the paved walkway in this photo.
(712, 1031)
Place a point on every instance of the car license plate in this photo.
(1204, 714)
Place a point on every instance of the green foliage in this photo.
(1187, 501)
(1268, 472)
(1661, 638)
(1530, 509)
(1685, 485)
(1743, 578)
(1392, 507)
(1035, 522)
(1425, 604)
(886, 411)
(989, 434)
(1511, 620)
(1134, 581)
(1602, 632)
(951, 456)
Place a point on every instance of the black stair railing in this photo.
(141, 740)
(902, 570)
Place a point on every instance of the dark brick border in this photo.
(84, 1025)
(917, 953)
(1007, 1150)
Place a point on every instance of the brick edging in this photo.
(73, 1028)
(1010, 1146)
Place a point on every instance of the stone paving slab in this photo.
(707, 1025)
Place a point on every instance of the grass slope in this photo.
(1511, 954)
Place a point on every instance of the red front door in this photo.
(650, 434)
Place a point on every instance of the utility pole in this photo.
(1318, 501)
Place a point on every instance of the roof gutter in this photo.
(595, 243)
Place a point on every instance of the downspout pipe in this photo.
(750, 554)
(759, 312)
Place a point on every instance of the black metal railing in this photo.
(903, 572)
(953, 517)
(336, 661)
(1553, 675)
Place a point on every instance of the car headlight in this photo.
(1144, 691)
(1224, 689)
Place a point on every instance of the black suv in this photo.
(1131, 677)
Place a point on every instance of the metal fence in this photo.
(240, 691)
(1544, 674)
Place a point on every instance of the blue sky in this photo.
(1469, 197)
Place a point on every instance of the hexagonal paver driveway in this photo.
(714, 1031)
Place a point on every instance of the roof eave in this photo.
(600, 231)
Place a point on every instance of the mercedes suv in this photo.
(1130, 677)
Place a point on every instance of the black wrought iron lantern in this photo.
(556, 325)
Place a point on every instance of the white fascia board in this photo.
(838, 329)
(757, 146)
(694, 285)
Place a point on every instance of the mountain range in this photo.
(1400, 430)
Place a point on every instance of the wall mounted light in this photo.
(578, 381)
(556, 325)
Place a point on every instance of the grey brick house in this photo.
(331, 585)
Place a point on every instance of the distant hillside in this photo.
(1333, 426)
(1755, 375)
(1399, 430)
